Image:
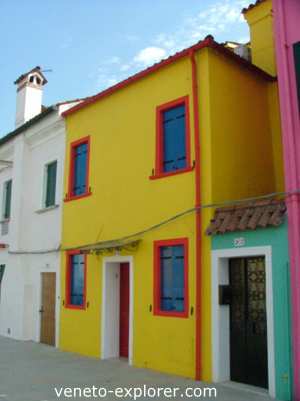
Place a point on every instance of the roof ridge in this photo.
(252, 5)
(208, 41)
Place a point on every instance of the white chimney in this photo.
(29, 95)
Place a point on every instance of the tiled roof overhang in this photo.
(208, 42)
(246, 9)
(260, 214)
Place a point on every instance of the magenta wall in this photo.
(287, 32)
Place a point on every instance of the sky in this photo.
(90, 45)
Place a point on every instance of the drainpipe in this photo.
(197, 217)
(289, 119)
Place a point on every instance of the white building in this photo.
(31, 196)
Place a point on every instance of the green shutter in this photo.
(7, 199)
(297, 67)
(51, 184)
(2, 268)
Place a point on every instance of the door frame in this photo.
(221, 313)
(57, 305)
(109, 331)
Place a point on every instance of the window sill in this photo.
(171, 314)
(83, 307)
(171, 173)
(46, 209)
(70, 197)
(4, 221)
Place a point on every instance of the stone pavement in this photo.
(31, 372)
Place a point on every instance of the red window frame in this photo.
(70, 194)
(156, 279)
(68, 281)
(159, 173)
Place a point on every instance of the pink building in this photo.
(287, 34)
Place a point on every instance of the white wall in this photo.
(30, 228)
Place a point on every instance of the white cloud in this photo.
(149, 55)
(125, 67)
(105, 81)
(113, 60)
(219, 19)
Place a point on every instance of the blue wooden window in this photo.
(172, 278)
(80, 161)
(174, 138)
(297, 68)
(77, 280)
(51, 169)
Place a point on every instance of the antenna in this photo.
(48, 70)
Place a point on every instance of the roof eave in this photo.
(208, 42)
(11, 135)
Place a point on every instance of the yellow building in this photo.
(195, 129)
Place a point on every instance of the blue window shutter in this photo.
(77, 280)
(297, 68)
(172, 278)
(51, 184)
(174, 139)
(80, 169)
(166, 279)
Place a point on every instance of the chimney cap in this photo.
(36, 69)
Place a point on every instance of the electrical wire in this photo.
(234, 202)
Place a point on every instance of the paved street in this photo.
(30, 372)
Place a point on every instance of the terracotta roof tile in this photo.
(35, 69)
(246, 9)
(207, 42)
(259, 214)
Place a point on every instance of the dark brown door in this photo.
(124, 309)
(47, 310)
(248, 322)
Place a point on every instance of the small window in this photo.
(7, 199)
(79, 168)
(170, 276)
(76, 271)
(2, 268)
(297, 68)
(50, 181)
(173, 137)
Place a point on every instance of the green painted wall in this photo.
(277, 239)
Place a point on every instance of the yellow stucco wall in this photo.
(260, 21)
(261, 24)
(242, 158)
(124, 200)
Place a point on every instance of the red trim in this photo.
(163, 175)
(198, 245)
(70, 196)
(156, 277)
(159, 173)
(208, 42)
(68, 304)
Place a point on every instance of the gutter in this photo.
(198, 245)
